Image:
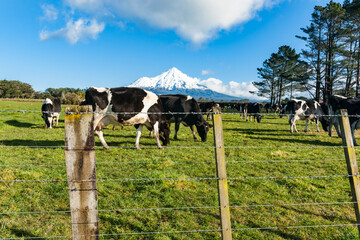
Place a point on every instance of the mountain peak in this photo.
(169, 80)
(174, 81)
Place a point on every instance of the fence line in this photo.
(179, 147)
(184, 208)
(192, 231)
(176, 113)
(176, 179)
(177, 162)
(189, 179)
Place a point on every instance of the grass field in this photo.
(262, 208)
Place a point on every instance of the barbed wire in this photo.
(177, 113)
(174, 179)
(182, 208)
(178, 162)
(173, 147)
(193, 231)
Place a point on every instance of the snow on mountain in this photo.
(170, 80)
(175, 82)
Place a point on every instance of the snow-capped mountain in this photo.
(175, 82)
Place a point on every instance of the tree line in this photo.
(17, 89)
(329, 65)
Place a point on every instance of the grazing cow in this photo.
(253, 109)
(308, 110)
(51, 109)
(273, 107)
(353, 108)
(184, 109)
(207, 107)
(126, 106)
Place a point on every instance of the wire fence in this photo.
(192, 162)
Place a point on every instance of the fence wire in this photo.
(183, 179)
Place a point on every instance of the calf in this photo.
(185, 109)
(308, 110)
(352, 105)
(51, 109)
(126, 106)
(253, 110)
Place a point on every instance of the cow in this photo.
(253, 110)
(207, 107)
(125, 106)
(335, 103)
(308, 110)
(185, 109)
(352, 105)
(51, 109)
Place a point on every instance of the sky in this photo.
(112, 43)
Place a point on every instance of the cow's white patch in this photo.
(48, 101)
(189, 98)
(100, 89)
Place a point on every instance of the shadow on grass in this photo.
(22, 233)
(300, 141)
(16, 123)
(32, 143)
(279, 232)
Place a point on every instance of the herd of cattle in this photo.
(126, 106)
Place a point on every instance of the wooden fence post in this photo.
(221, 174)
(81, 172)
(351, 163)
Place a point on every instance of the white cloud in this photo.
(232, 88)
(196, 21)
(75, 31)
(205, 72)
(50, 12)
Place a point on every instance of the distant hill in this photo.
(175, 82)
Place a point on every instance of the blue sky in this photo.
(112, 43)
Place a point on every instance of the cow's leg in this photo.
(177, 126)
(100, 134)
(306, 125)
(156, 133)
(353, 127)
(336, 125)
(292, 123)
(138, 135)
(317, 125)
(193, 132)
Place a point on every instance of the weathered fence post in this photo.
(81, 172)
(221, 174)
(351, 163)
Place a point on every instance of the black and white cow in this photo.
(352, 105)
(185, 109)
(336, 103)
(126, 106)
(308, 110)
(51, 109)
(253, 110)
(207, 107)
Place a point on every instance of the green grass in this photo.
(253, 150)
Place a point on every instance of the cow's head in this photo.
(164, 132)
(48, 119)
(258, 118)
(203, 127)
(325, 119)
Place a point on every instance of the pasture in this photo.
(310, 197)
